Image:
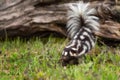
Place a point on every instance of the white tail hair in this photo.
(81, 15)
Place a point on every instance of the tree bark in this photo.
(29, 17)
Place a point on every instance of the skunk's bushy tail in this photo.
(81, 15)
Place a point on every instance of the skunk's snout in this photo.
(65, 60)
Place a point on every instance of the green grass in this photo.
(38, 59)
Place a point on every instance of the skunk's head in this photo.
(67, 59)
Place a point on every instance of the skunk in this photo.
(81, 24)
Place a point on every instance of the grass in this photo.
(38, 59)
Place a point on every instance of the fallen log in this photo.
(28, 17)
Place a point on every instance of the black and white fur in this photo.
(81, 24)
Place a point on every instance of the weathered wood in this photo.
(24, 17)
(27, 17)
(110, 30)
